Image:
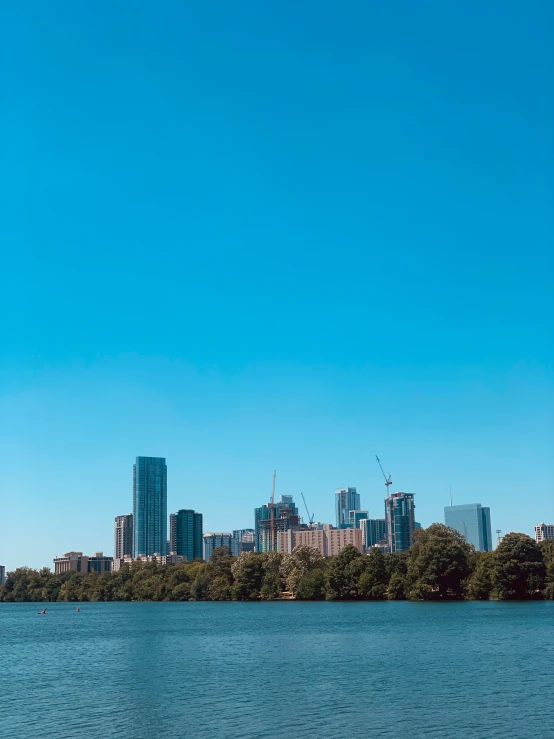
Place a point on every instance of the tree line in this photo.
(440, 565)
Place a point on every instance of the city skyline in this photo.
(159, 467)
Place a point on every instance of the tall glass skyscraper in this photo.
(473, 522)
(185, 534)
(400, 523)
(346, 500)
(149, 506)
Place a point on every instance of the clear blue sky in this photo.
(290, 235)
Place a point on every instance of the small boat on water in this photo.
(43, 612)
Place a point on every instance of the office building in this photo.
(544, 531)
(78, 562)
(214, 541)
(346, 500)
(243, 541)
(400, 522)
(355, 517)
(149, 506)
(374, 532)
(185, 534)
(473, 522)
(328, 541)
(263, 513)
(2, 574)
(123, 536)
(99, 563)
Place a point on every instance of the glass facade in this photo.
(243, 541)
(374, 530)
(185, 534)
(346, 500)
(473, 522)
(214, 541)
(263, 513)
(400, 522)
(354, 518)
(149, 506)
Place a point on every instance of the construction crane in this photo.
(388, 480)
(310, 518)
(272, 515)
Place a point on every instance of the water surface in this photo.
(268, 670)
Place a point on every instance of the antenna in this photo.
(499, 536)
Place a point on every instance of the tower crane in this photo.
(310, 518)
(388, 480)
(272, 515)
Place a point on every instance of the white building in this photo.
(544, 531)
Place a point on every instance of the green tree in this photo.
(519, 571)
(373, 582)
(480, 585)
(547, 549)
(438, 563)
(343, 574)
(248, 573)
(311, 585)
(296, 565)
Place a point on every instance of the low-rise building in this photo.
(162, 559)
(328, 540)
(78, 562)
(544, 531)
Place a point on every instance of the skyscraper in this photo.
(123, 536)
(243, 541)
(374, 530)
(346, 500)
(473, 522)
(185, 534)
(214, 541)
(149, 506)
(399, 516)
(2, 574)
(355, 517)
(263, 513)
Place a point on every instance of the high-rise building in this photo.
(346, 500)
(78, 562)
(214, 541)
(473, 522)
(400, 522)
(328, 540)
(185, 534)
(243, 541)
(149, 506)
(284, 520)
(2, 574)
(355, 517)
(263, 513)
(374, 531)
(123, 536)
(544, 531)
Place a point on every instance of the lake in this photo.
(265, 670)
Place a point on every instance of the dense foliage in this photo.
(439, 566)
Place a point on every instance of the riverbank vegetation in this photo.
(439, 566)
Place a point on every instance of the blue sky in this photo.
(290, 235)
